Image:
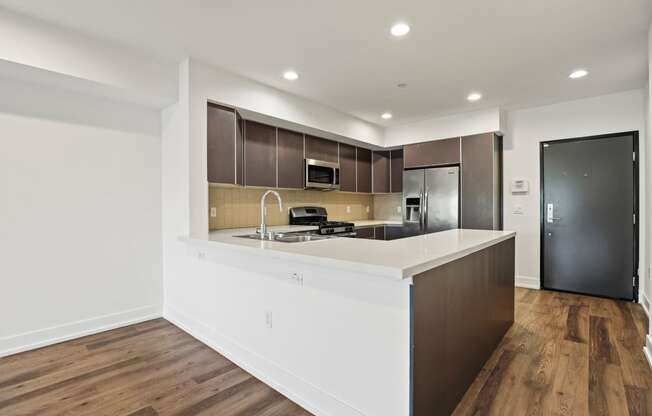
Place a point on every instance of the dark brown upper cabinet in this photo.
(347, 168)
(260, 154)
(224, 145)
(482, 182)
(433, 153)
(396, 171)
(364, 169)
(321, 149)
(381, 171)
(290, 159)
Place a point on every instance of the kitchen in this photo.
(298, 210)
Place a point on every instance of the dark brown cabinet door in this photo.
(367, 233)
(434, 153)
(321, 149)
(221, 143)
(347, 168)
(260, 154)
(380, 171)
(290, 159)
(481, 182)
(396, 171)
(379, 232)
(239, 149)
(363, 165)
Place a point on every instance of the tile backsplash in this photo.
(237, 207)
(388, 207)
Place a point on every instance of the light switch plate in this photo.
(517, 210)
(213, 212)
(367, 209)
(348, 209)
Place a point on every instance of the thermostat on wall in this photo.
(520, 186)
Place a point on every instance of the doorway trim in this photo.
(635, 166)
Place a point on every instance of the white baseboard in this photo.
(14, 344)
(300, 391)
(528, 282)
(647, 350)
(645, 303)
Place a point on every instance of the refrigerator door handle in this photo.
(421, 210)
(425, 211)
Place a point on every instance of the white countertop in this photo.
(397, 259)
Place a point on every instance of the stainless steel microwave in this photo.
(322, 175)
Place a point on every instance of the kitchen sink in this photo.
(285, 237)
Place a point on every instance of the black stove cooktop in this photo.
(318, 217)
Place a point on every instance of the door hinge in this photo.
(634, 218)
(634, 156)
(634, 281)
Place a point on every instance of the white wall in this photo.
(527, 128)
(648, 339)
(80, 214)
(463, 124)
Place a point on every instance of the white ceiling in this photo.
(515, 52)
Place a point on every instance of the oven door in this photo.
(322, 175)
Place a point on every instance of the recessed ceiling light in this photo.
(400, 29)
(386, 116)
(580, 73)
(474, 96)
(290, 75)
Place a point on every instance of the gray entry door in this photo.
(588, 231)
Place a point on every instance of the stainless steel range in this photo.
(318, 216)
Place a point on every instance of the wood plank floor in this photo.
(147, 369)
(565, 355)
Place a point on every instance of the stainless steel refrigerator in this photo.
(431, 200)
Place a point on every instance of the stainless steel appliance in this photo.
(322, 175)
(318, 216)
(431, 200)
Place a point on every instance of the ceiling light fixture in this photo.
(400, 29)
(386, 116)
(580, 73)
(290, 75)
(474, 96)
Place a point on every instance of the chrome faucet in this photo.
(263, 211)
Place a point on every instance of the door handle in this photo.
(550, 214)
(420, 208)
(425, 210)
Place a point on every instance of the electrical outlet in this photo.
(213, 212)
(399, 209)
(348, 209)
(297, 278)
(201, 255)
(268, 319)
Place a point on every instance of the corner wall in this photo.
(80, 214)
(648, 109)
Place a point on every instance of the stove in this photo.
(317, 216)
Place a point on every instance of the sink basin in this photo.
(298, 238)
(285, 237)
